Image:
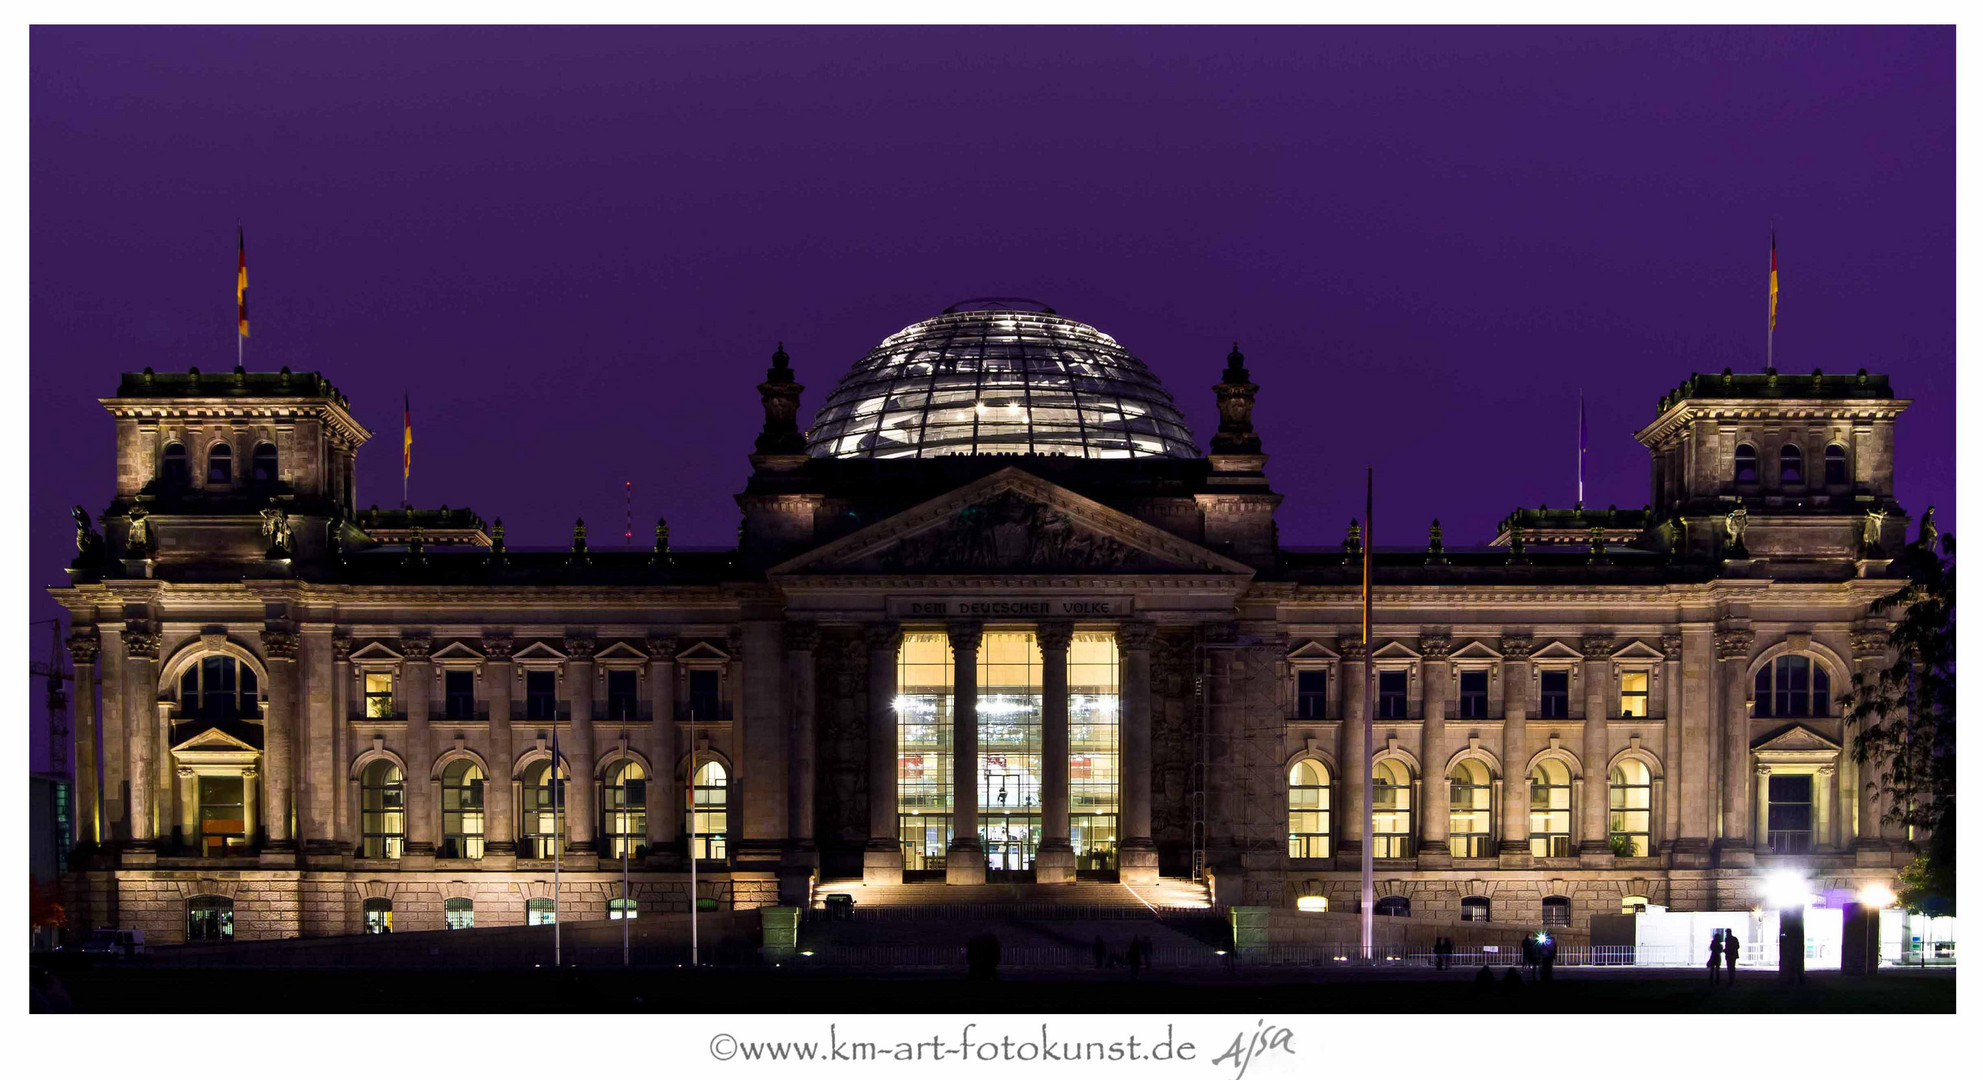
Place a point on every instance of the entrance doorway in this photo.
(1010, 841)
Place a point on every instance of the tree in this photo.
(1905, 717)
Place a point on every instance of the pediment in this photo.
(702, 650)
(1638, 651)
(1556, 650)
(1313, 650)
(1395, 650)
(619, 650)
(1474, 650)
(539, 652)
(214, 739)
(1796, 739)
(459, 651)
(377, 650)
(1016, 523)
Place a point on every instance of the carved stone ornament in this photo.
(801, 637)
(1056, 636)
(1869, 534)
(1435, 646)
(1137, 635)
(965, 637)
(84, 645)
(279, 644)
(882, 637)
(275, 526)
(662, 649)
(1670, 645)
(579, 648)
(498, 648)
(1737, 526)
(1517, 648)
(1869, 644)
(137, 538)
(416, 647)
(141, 644)
(341, 649)
(1008, 532)
(89, 546)
(1598, 646)
(1733, 644)
(1353, 649)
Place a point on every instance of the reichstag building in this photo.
(992, 618)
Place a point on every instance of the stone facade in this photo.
(306, 707)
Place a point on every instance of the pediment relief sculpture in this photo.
(1010, 532)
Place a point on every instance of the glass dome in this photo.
(993, 377)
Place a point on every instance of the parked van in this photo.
(115, 943)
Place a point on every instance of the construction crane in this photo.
(56, 672)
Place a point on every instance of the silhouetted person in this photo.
(1530, 948)
(1135, 957)
(1484, 979)
(1514, 977)
(1731, 951)
(1714, 959)
(1549, 960)
(1101, 952)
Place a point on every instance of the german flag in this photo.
(241, 281)
(1772, 284)
(407, 466)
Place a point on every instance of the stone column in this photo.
(881, 863)
(1869, 847)
(1824, 792)
(251, 802)
(1355, 759)
(339, 778)
(581, 751)
(1594, 842)
(140, 720)
(279, 739)
(1731, 648)
(964, 864)
(189, 808)
(1761, 798)
(1699, 787)
(83, 646)
(316, 760)
(665, 799)
(1054, 862)
(801, 643)
(114, 796)
(1435, 825)
(1516, 677)
(1675, 763)
(760, 736)
(416, 679)
(1137, 855)
(499, 810)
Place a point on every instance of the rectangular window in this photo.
(1555, 701)
(378, 695)
(540, 695)
(1311, 692)
(1473, 695)
(1391, 695)
(924, 680)
(705, 695)
(1633, 694)
(1790, 814)
(460, 704)
(622, 695)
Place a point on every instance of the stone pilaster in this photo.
(760, 734)
(316, 760)
(1436, 823)
(801, 697)
(1732, 648)
(83, 649)
(1594, 844)
(344, 828)
(667, 800)
(582, 748)
(1054, 862)
(280, 645)
(1137, 853)
(141, 749)
(498, 792)
(1516, 677)
(881, 863)
(1674, 766)
(964, 864)
(416, 681)
(1355, 759)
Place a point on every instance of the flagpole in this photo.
(1367, 866)
(626, 855)
(557, 851)
(1583, 435)
(695, 904)
(1769, 350)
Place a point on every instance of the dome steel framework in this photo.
(999, 381)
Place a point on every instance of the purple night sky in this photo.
(576, 248)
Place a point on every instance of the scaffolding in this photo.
(1236, 789)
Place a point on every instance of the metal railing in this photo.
(992, 911)
(1205, 958)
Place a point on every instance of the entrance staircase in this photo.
(1076, 900)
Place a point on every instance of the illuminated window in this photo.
(923, 733)
(460, 912)
(1308, 810)
(459, 703)
(1554, 703)
(1790, 813)
(461, 811)
(1471, 810)
(223, 816)
(1835, 472)
(220, 465)
(261, 466)
(540, 695)
(1790, 464)
(625, 807)
(1094, 711)
(1311, 691)
(1793, 686)
(1391, 822)
(1473, 695)
(1555, 911)
(543, 810)
(711, 820)
(1475, 909)
(540, 912)
(1631, 809)
(219, 687)
(1391, 695)
(622, 695)
(209, 918)
(1745, 464)
(1549, 810)
(378, 916)
(1395, 907)
(382, 813)
(378, 695)
(1632, 693)
(1633, 905)
(172, 470)
(618, 908)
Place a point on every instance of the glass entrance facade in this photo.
(1094, 711)
(924, 751)
(1009, 769)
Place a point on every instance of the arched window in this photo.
(382, 798)
(1475, 909)
(1471, 808)
(460, 912)
(220, 465)
(619, 908)
(461, 810)
(1745, 464)
(540, 912)
(378, 915)
(1790, 464)
(172, 470)
(1395, 906)
(261, 467)
(1555, 911)
(1391, 823)
(219, 687)
(1793, 686)
(625, 809)
(711, 820)
(1835, 474)
(1308, 810)
(1549, 810)
(209, 918)
(1631, 809)
(1633, 905)
(544, 808)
